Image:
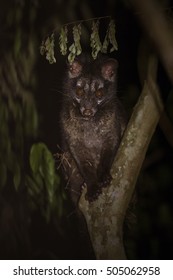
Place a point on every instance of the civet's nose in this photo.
(87, 113)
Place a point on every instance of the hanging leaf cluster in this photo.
(47, 48)
(74, 48)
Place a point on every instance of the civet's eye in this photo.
(99, 93)
(80, 92)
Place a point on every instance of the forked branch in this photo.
(105, 216)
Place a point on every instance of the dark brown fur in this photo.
(92, 124)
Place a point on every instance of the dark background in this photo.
(25, 232)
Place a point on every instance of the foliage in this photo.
(110, 37)
(48, 49)
(19, 123)
(33, 176)
(43, 184)
(95, 40)
(63, 40)
(47, 46)
(75, 48)
(18, 117)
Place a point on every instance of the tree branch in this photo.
(105, 216)
(158, 28)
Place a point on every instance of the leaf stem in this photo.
(86, 20)
(75, 22)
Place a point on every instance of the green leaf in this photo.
(43, 166)
(63, 40)
(72, 49)
(36, 156)
(95, 42)
(48, 167)
(105, 43)
(34, 192)
(72, 53)
(32, 187)
(43, 187)
(112, 36)
(49, 173)
(47, 48)
(39, 181)
(76, 37)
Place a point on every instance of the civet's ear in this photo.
(75, 69)
(109, 69)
